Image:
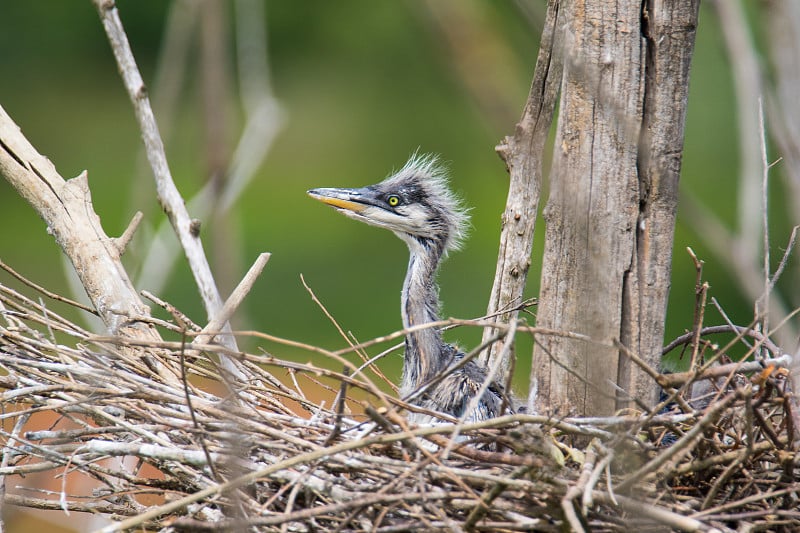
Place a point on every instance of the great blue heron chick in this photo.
(418, 206)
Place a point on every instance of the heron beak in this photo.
(347, 199)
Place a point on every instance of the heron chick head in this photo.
(416, 203)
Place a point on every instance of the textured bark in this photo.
(523, 154)
(613, 193)
(669, 31)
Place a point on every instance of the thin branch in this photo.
(123, 240)
(168, 196)
(53, 296)
(217, 323)
(523, 154)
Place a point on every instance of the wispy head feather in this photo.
(427, 174)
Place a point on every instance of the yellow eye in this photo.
(393, 200)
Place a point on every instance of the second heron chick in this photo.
(417, 205)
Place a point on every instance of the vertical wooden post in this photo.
(613, 194)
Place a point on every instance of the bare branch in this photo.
(234, 301)
(523, 154)
(123, 240)
(170, 199)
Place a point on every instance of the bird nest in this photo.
(204, 451)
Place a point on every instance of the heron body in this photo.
(417, 205)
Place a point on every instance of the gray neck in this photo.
(420, 305)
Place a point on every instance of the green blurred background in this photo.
(362, 84)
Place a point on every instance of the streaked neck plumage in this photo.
(420, 305)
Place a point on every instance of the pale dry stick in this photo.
(23, 470)
(16, 430)
(291, 462)
(603, 466)
(610, 485)
(293, 376)
(150, 451)
(217, 323)
(168, 195)
(93, 507)
(660, 515)
(785, 259)
(580, 486)
(123, 240)
(70, 435)
(630, 420)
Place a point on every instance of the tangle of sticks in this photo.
(121, 442)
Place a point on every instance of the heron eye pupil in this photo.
(393, 200)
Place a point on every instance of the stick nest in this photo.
(199, 452)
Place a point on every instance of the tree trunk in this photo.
(613, 195)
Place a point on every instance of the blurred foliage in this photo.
(364, 84)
